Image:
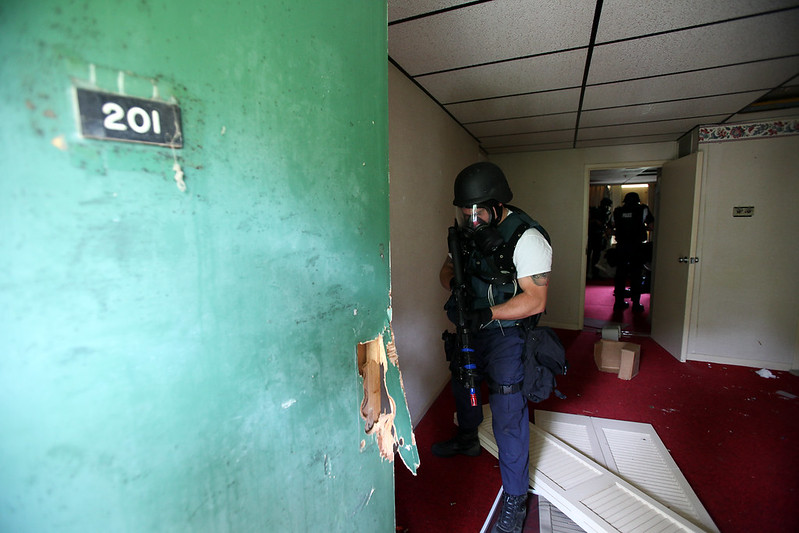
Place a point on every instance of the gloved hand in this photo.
(478, 318)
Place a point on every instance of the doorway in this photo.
(607, 188)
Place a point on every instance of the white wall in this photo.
(427, 149)
(552, 187)
(746, 305)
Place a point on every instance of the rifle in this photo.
(468, 368)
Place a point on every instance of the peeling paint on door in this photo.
(378, 365)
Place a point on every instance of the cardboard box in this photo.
(630, 359)
(621, 358)
(607, 355)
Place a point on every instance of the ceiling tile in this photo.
(525, 105)
(530, 148)
(622, 19)
(616, 141)
(739, 78)
(647, 128)
(726, 105)
(560, 121)
(402, 9)
(774, 114)
(528, 138)
(542, 73)
(751, 39)
(489, 32)
(511, 71)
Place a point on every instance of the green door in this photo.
(179, 325)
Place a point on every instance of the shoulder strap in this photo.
(531, 222)
(504, 256)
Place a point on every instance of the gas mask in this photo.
(480, 224)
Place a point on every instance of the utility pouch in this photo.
(544, 358)
(450, 345)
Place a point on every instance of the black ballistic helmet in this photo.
(479, 184)
(632, 198)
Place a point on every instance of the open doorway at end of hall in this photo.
(607, 190)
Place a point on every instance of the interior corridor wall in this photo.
(552, 187)
(186, 361)
(427, 149)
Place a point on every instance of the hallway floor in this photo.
(599, 311)
(710, 417)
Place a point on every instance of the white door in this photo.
(593, 497)
(675, 253)
(632, 450)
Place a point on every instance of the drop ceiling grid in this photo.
(546, 137)
(751, 39)
(761, 116)
(511, 71)
(490, 32)
(691, 107)
(541, 73)
(561, 121)
(678, 126)
(525, 105)
(723, 80)
(623, 19)
(402, 9)
(622, 141)
(564, 145)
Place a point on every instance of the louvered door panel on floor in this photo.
(592, 496)
(552, 519)
(633, 451)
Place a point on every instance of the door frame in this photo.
(587, 183)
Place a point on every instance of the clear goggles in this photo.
(474, 217)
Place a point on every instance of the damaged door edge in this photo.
(378, 365)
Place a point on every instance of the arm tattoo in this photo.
(542, 280)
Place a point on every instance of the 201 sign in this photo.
(117, 117)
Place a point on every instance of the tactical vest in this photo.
(496, 275)
(630, 221)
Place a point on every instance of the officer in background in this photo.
(500, 308)
(632, 220)
(600, 228)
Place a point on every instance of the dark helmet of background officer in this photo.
(632, 198)
(481, 184)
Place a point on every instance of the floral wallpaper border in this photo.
(737, 132)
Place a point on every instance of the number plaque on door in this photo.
(116, 117)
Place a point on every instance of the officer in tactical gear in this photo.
(507, 263)
(600, 228)
(631, 220)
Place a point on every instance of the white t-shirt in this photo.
(533, 254)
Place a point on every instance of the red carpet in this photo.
(599, 302)
(734, 435)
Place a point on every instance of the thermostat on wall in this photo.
(743, 211)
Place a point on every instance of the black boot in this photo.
(465, 443)
(511, 518)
